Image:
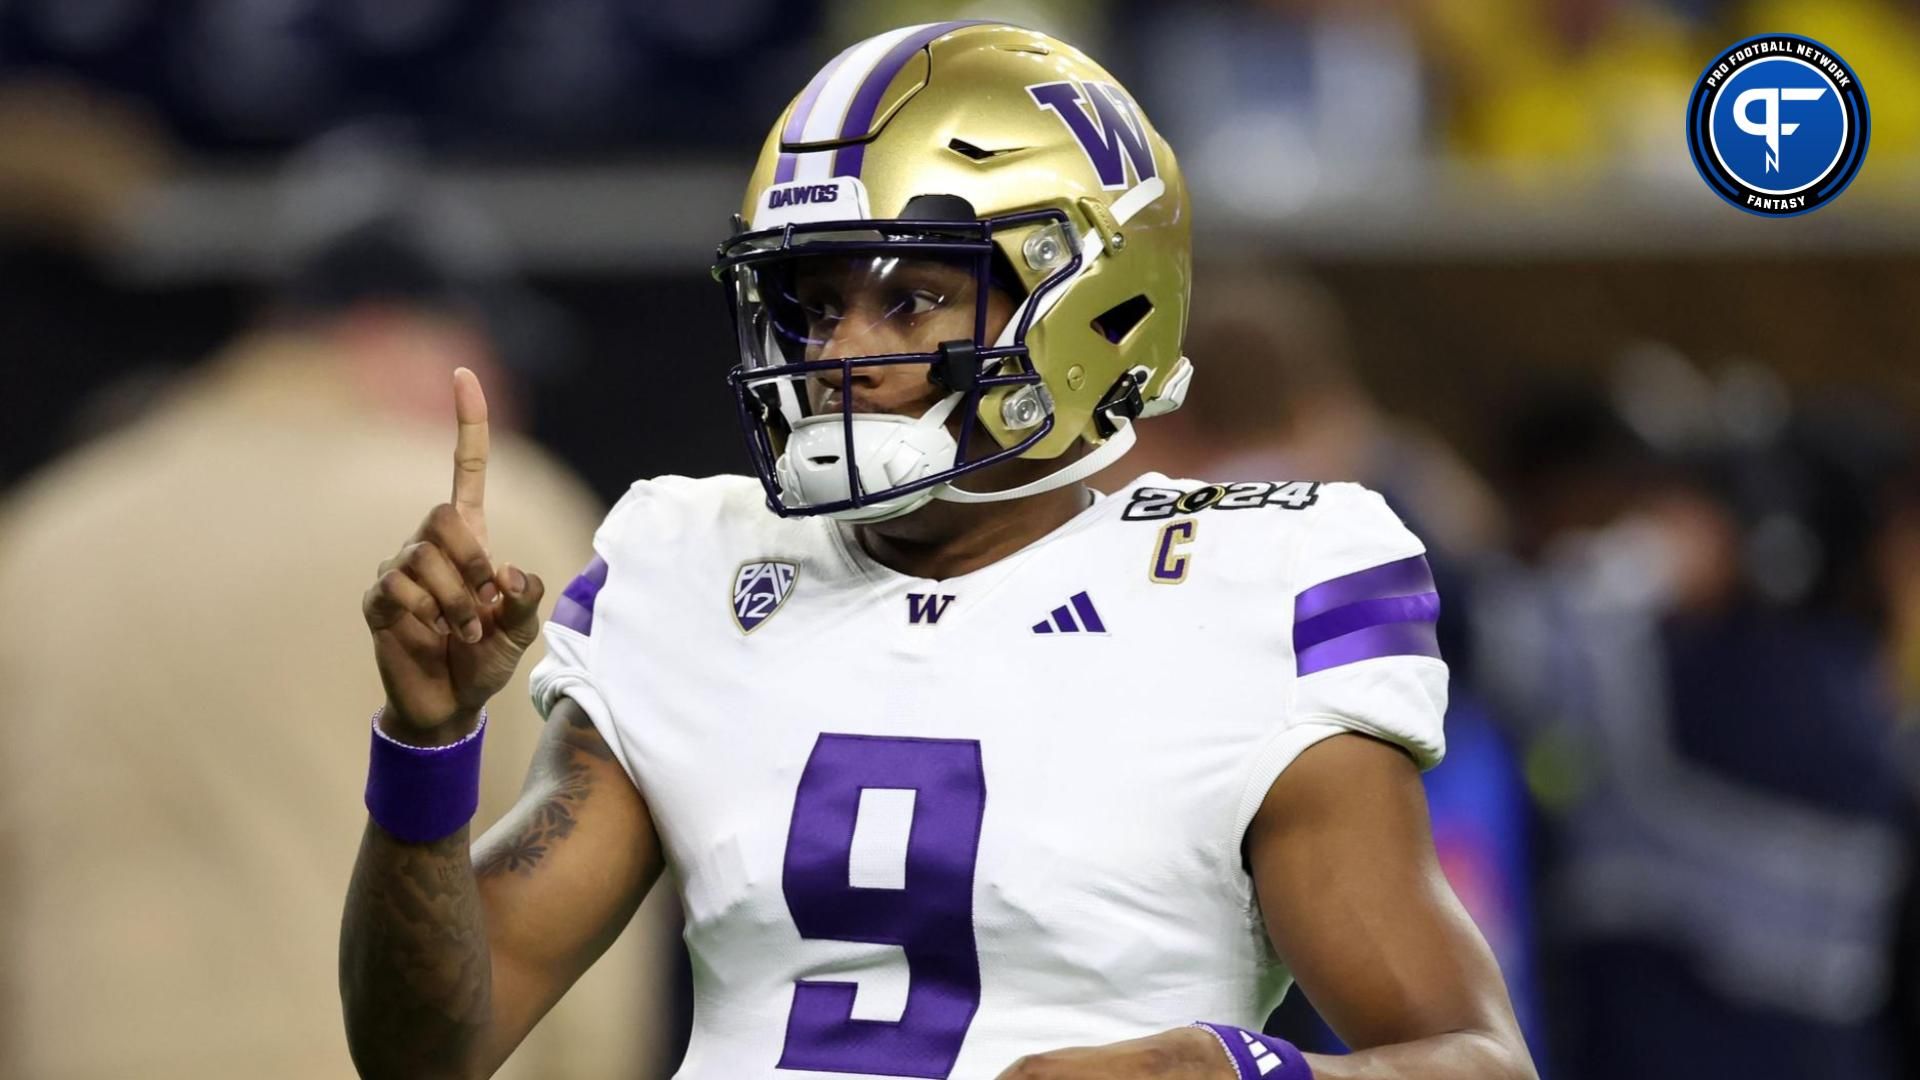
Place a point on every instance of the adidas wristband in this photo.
(424, 793)
(1259, 1057)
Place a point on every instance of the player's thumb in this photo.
(520, 595)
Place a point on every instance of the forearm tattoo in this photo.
(415, 976)
(553, 820)
(415, 971)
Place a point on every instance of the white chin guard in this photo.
(890, 451)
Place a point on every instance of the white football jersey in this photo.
(922, 828)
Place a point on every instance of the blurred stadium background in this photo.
(1663, 450)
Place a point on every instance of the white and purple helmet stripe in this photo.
(575, 607)
(840, 101)
(1385, 610)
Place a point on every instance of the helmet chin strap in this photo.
(1102, 456)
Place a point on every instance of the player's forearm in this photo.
(415, 971)
(1460, 1055)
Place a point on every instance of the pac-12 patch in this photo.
(1778, 125)
(759, 588)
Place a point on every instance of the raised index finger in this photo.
(470, 451)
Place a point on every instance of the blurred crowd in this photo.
(1682, 594)
(188, 690)
(1685, 731)
(1540, 90)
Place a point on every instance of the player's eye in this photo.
(916, 302)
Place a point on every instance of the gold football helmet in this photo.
(934, 163)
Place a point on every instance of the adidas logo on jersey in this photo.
(1063, 620)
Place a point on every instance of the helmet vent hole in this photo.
(937, 208)
(974, 153)
(1118, 321)
(824, 460)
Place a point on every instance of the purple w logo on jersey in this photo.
(926, 607)
(1112, 137)
(759, 588)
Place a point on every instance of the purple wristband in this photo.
(1259, 1057)
(424, 793)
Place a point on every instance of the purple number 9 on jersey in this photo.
(930, 918)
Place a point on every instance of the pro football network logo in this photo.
(1777, 125)
(759, 588)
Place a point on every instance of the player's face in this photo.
(879, 306)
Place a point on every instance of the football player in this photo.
(961, 770)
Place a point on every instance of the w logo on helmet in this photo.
(1112, 136)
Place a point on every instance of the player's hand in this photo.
(449, 626)
(1187, 1053)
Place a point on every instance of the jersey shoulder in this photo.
(1323, 572)
(669, 520)
(673, 537)
(668, 544)
(1305, 530)
(665, 509)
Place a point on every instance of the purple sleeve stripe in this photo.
(1369, 643)
(584, 590)
(1422, 607)
(848, 160)
(1404, 577)
(574, 609)
(572, 615)
(596, 571)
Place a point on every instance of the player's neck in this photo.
(946, 539)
